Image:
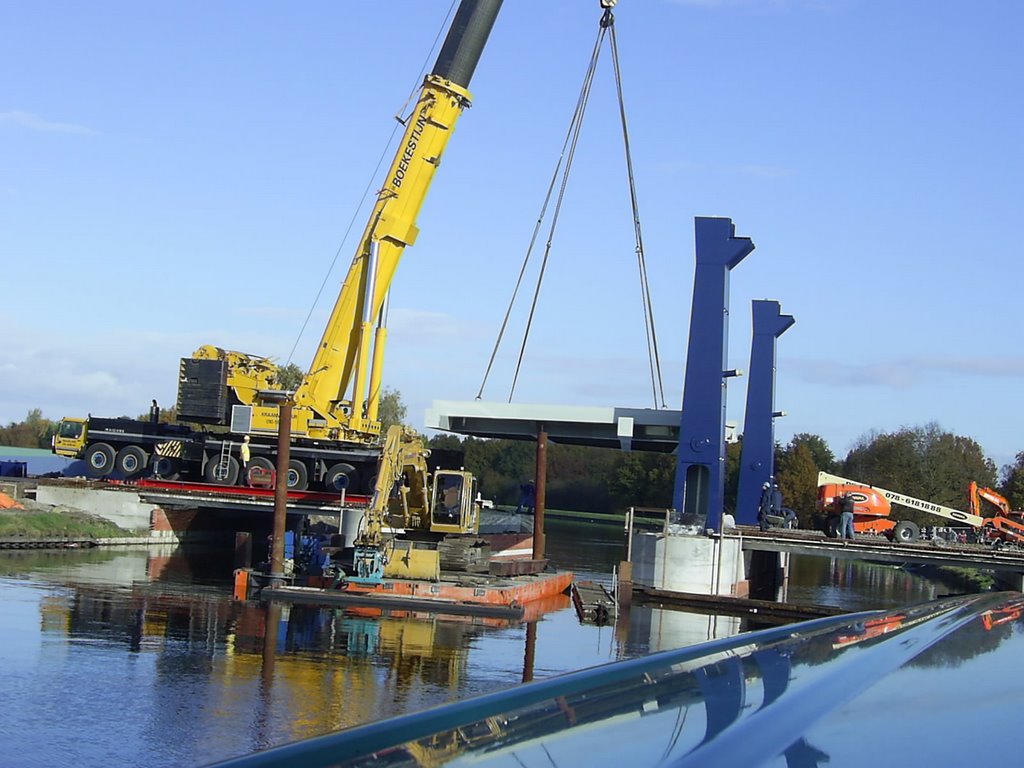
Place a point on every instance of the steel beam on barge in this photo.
(190, 495)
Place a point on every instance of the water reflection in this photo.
(142, 657)
(855, 585)
(767, 699)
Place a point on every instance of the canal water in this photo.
(141, 657)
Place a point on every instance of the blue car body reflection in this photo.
(874, 688)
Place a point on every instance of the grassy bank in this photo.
(39, 521)
(961, 580)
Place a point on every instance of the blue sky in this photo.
(179, 174)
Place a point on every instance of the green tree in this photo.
(797, 475)
(733, 454)
(391, 410)
(821, 454)
(34, 431)
(641, 479)
(500, 466)
(924, 462)
(289, 377)
(1012, 486)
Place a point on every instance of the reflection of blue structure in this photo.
(758, 460)
(700, 472)
(807, 694)
(724, 692)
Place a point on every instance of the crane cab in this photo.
(70, 437)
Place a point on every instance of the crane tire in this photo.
(99, 460)
(298, 476)
(263, 463)
(339, 470)
(221, 470)
(906, 532)
(164, 467)
(131, 461)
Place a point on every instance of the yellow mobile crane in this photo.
(335, 426)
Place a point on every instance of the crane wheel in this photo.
(131, 461)
(298, 476)
(99, 460)
(333, 482)
(164, 467)
(221, 470)
(906, 532)
(265, 465)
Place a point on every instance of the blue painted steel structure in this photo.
(757, 461)
(700, 469)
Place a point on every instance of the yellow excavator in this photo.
(335, 422)
(410, 511)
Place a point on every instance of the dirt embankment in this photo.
(30, 519)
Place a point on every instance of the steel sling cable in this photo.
(577, 117)
(568, 150)
(654, 359)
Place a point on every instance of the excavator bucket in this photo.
(413, 560)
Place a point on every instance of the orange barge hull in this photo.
(511, 597)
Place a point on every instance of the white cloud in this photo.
(900, 374)
(36, 123)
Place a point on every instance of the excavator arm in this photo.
(406, 498)
(976, 494)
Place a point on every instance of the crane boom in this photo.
(342, 386)
(824, 478)
(236, 397)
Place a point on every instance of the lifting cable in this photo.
(567, 154)
(400, 122)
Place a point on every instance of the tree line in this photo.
(925, 461)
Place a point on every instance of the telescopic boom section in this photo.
(343, 382)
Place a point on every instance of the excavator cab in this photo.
(453, 507)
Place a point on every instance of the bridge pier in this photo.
(695, 564)
(707, 565)
(1010, 580)
(768, 575)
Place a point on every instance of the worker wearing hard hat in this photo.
(770, 505)
(244, 454)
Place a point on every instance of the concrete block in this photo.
(695, 564)
(121, 507)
